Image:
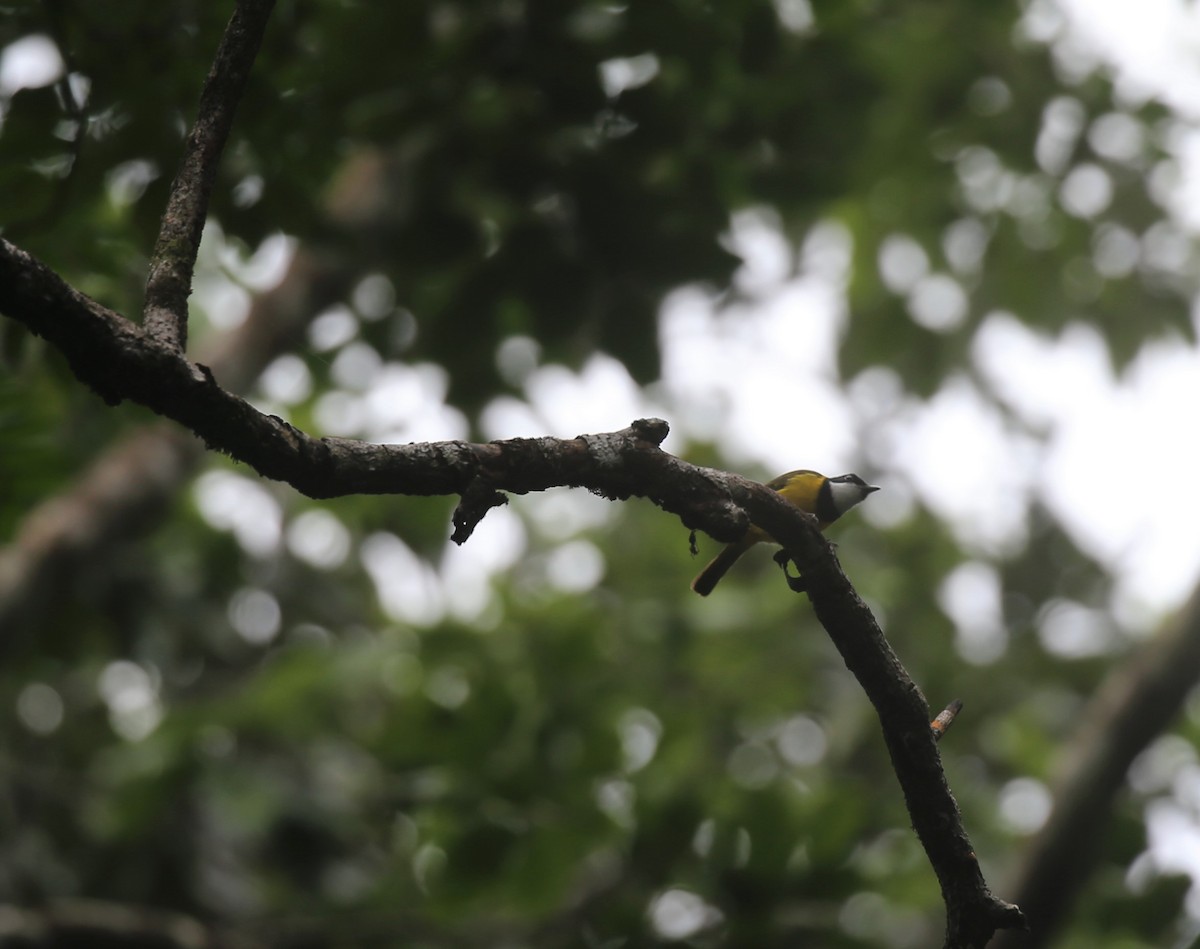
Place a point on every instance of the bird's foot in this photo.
(797, 583)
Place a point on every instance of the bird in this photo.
(825, 498)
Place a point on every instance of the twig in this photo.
(174, 256)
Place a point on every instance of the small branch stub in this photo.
(479, 498)
(652, 430)
(945, 719)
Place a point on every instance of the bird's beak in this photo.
(871, 488)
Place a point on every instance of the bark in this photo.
(1137, 702)
(174, 256)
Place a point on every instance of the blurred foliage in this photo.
(470, 153)
(249, 734)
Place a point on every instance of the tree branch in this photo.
(1136, 703)
(973, 914)
(121, 361)
(170, 279)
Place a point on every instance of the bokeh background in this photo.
(950, 246)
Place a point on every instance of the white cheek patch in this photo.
(846, 495)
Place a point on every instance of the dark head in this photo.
(845, 491)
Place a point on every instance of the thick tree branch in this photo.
(174, 257)
(121, 361)
(1134, 705)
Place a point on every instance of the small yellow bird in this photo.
(825, 498)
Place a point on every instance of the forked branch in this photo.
(121, 361)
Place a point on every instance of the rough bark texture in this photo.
(174, 257)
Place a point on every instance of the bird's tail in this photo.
(717, 568)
